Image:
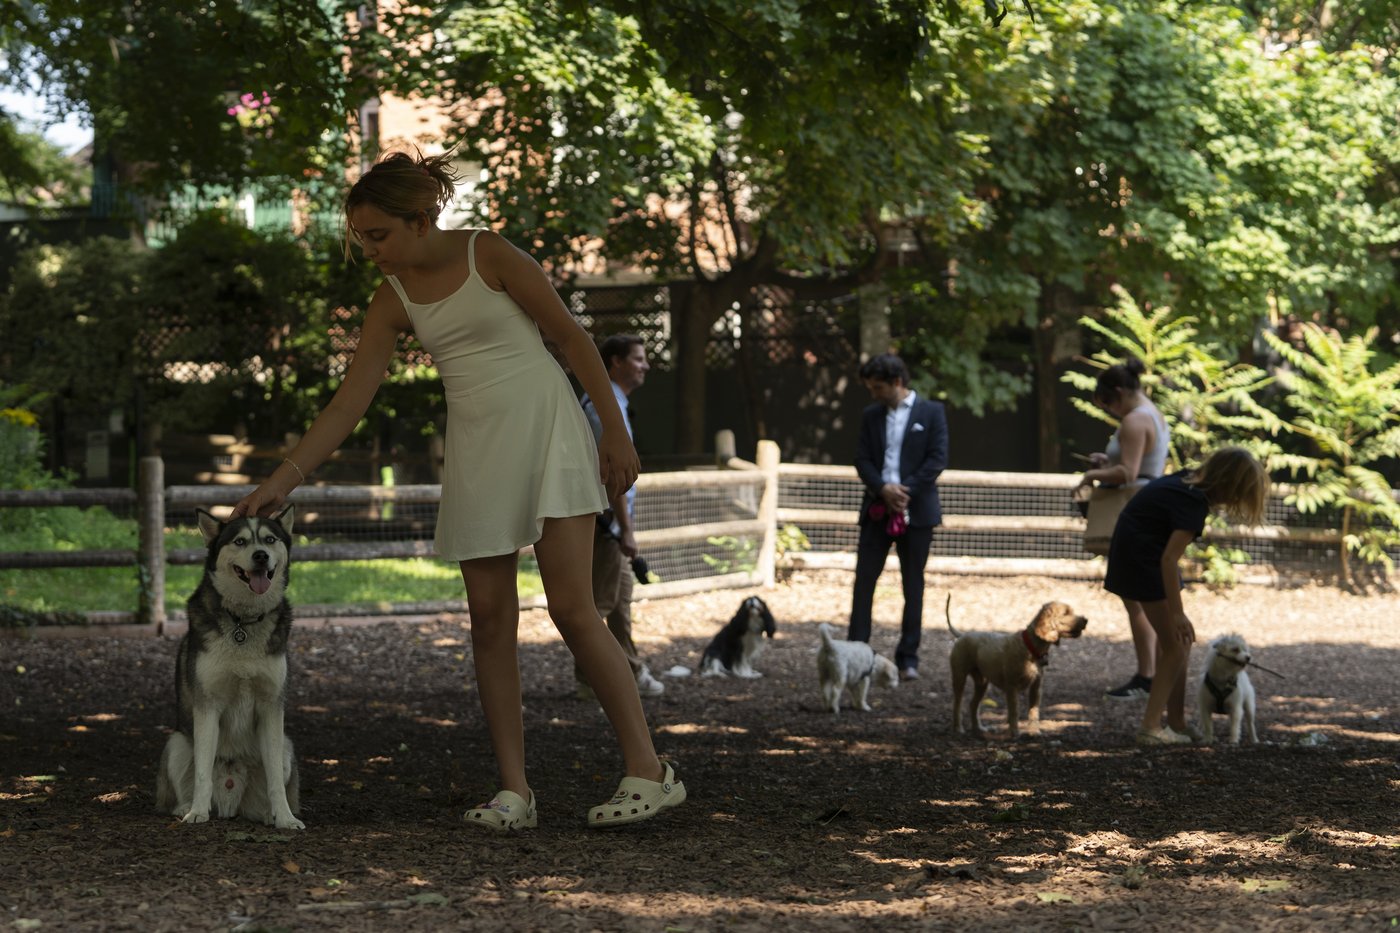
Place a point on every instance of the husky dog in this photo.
(1011, 662)
(739, 642)
(849, 667)
(1226, 688)
(229, 752)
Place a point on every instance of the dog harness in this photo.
(1221, 693)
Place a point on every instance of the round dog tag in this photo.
(239, 635)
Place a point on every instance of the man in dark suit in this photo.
(903, 447)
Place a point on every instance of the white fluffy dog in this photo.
(1225, 688)
(850, 666)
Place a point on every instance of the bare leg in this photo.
(495, 623)
(1169, 686)
(564, 552)
(1144, 638)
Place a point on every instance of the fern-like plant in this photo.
(1208, 401)
(1351, 416)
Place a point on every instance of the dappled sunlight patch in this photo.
(567, 723)
(1360, 840)
(116, 796)
(1094, 753)
(1300, 732)
(1366, 736)
(808, 741)
(875, 858)
(35, 781)
(963, 803)
(443, 723)
(696, 728)
(101, 717)
(313, 709)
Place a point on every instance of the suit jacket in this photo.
(922, 457)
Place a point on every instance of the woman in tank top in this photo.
(522, 466)
(1136, 453)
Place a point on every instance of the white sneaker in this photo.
(649, 686)
(1163, 736)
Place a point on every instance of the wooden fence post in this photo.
(724, 447)
(768, 457)
(150, 553)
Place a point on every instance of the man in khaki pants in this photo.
(614, 542)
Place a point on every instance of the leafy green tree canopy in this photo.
(213, 93)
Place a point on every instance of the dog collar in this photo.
(240, 636)
(1030, 646)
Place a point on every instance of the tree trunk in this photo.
(1057, 313)
(750, 377)
(1348, 582)
(1047, 418)
(691, 316)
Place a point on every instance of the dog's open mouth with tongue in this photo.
(259, 579)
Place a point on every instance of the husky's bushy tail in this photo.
(826, 634)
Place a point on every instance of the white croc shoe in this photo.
(507, 811)
(638, 799)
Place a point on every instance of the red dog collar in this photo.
(1030, 646)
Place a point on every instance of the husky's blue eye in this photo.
(240, 541)
(270, 539)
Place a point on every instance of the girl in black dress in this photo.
(1144, 559)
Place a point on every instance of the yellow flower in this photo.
(19, 416)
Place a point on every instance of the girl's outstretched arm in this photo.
(384, 321)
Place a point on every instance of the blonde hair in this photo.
(403, 186)
(1235, 483)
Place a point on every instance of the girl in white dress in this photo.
(521, 465)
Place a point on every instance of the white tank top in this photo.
(1154, 458)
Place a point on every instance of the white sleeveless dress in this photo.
(519, 449)
(1154, 460)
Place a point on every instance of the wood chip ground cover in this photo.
(796, 818)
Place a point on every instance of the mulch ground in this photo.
(796, 818)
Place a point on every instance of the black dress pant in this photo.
(912, 548)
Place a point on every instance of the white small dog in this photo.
(1225, 688)
(844, 666)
